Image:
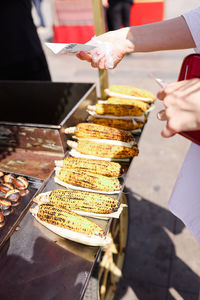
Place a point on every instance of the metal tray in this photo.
(33, 117)
(35, 263)
(13, 219)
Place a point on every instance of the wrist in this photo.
(127, 45)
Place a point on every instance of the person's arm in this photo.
(182, 107)
(166, 35)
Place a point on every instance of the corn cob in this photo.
(131, 91)
(116, 109)
(106, 168)
(67, 219)
(89, 180)
(117, 123)
(104, 150)
(84, 201)
(138, 103)
(89, 130)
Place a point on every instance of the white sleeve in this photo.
(192, 19)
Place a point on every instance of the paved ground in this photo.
(162, 257)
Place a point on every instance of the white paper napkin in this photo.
(58, 48)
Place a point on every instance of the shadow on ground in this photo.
(152, 269)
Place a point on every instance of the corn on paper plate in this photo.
(91, 240)
(73, 187)
(94, 131)
(106, 168)
(44, 198)
(108, 122)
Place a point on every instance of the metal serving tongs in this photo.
(159, 81)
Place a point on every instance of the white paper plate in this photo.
(136, 118)
(108, 142)
(75, 153)
(72, 235)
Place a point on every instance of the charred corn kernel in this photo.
(102, 167)
(89, 180)
(143, 105)
(131, 91)
(118, 110)
(67, 219)
(89, 130)
(120, 124)
(84, 201)
(106, 150)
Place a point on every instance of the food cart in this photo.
(35, 262)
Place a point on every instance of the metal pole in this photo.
(99, 26)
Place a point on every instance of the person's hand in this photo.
(182, 107)
(120, 47)
(105, 3)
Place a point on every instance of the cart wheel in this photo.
(111, 264)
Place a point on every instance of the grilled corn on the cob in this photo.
(89, 180)
(103, 150)
(138, 103)
(67, 219)
(116, 109)
(131, 91)
(89, 130)
(84, 201)
(118, 123)
(102, 167)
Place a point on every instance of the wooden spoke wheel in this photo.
(112, 259)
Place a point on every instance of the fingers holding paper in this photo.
(110, 49)
(104, 56)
